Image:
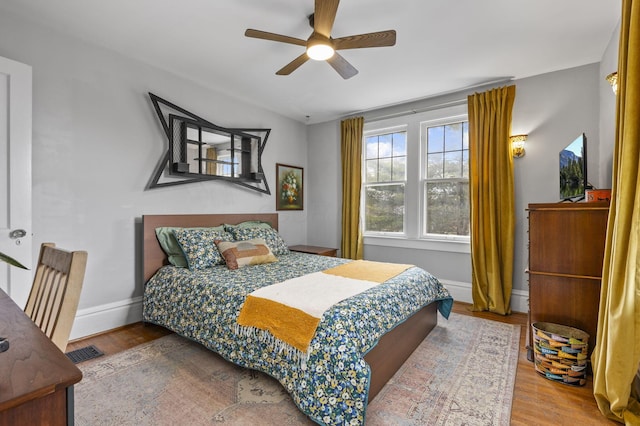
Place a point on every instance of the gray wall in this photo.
(96, 143)
(608, 64)
(553, 109)
(324, 185)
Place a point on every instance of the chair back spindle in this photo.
(55, 293)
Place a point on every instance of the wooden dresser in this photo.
(36, 378)
(566, 251)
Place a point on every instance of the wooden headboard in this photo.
(153, 257)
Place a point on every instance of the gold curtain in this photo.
(491, 199)
(351, 131)
(616, 356)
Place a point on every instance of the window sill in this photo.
(420, 244)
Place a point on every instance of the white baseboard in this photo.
(106, 317)
(461, 292)
(113, 315)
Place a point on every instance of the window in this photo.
(384, 181)
(415, 189)
(445, 179)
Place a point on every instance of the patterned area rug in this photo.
(462, 374)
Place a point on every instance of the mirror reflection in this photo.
(213, 152)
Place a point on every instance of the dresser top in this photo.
(569, 206)
(33, 366)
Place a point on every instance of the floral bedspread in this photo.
(333, 386)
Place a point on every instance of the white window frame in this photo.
(413, 237)
(424, 125)
(377, 132)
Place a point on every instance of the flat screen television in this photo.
(573, 170)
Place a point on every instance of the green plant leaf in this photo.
(11, 261)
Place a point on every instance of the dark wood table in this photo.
(36, 378)
(322, 251)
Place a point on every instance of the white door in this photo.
(15, 177)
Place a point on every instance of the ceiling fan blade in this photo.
(324, 15)
(378, 39)
(293, 65)
(340, 64)
(275, 37)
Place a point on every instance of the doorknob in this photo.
(17, 233)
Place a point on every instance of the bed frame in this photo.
(385, 358)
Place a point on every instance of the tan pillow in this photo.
(242, 253)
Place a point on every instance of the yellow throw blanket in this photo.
(290, 311)
(378, 272)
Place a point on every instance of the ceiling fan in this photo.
(321, 46)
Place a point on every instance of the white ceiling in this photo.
(442, 45)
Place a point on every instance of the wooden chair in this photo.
(54, 296)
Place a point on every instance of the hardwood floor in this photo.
(536, 401)
(120, 339)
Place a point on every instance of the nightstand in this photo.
(322, 251)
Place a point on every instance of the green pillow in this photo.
(171, 246)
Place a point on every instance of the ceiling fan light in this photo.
(320, 52)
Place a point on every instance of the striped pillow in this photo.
(242, 253)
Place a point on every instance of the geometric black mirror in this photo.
(200, 150)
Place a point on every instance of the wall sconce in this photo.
(517, 145)
(613, 81)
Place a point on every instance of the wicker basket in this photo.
(560, 353)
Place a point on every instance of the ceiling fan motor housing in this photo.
(319, 47)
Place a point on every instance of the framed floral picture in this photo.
(289, 189)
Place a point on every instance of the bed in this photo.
(345, 368)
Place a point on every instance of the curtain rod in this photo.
(430, 107)
(417, 110)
